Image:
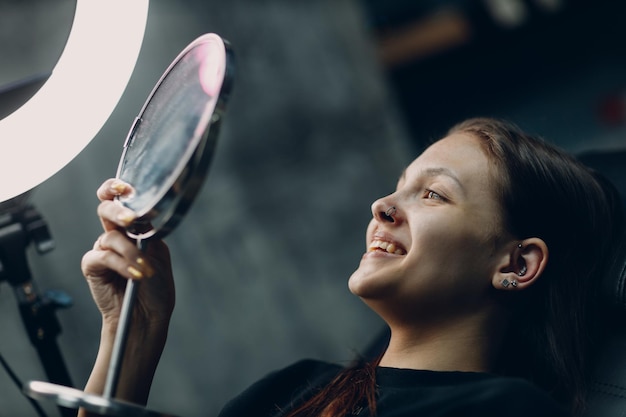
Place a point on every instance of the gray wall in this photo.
(262, 259)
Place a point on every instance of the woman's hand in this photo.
(113, 260)
(116, 258)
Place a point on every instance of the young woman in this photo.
(484, 263)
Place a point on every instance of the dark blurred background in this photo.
(332, 99)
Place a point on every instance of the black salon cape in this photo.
(402, 393)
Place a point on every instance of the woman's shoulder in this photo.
(518, 396)
(410, 392)
(281, 387)
(306, 367)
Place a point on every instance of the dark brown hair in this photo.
(351, 390)
(548, 194)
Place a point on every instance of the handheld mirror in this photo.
(165, 159)
(171, 143)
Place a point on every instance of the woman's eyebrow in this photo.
(442, 171)
(435, 172)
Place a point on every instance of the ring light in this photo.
(50, 129)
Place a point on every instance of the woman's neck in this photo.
(462, 345)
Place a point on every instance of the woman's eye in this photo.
(433, 195)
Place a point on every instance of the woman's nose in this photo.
(384, 210)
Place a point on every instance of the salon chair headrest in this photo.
(607, 383)
(607, 386)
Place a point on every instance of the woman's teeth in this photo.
(387, 247)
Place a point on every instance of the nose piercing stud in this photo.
(390, 211)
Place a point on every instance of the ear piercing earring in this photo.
(522, 270)
(390, 211)
(505, 283)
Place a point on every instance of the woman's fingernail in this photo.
(134, 272)
(146, 267)
(118, 187)
(126, 217)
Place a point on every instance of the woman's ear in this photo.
(522, 265)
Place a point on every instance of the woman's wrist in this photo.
(142, 352)
(141, 358)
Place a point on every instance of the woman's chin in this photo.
(366, 284)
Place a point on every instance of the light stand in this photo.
(20, 225)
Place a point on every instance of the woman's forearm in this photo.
(141, 357)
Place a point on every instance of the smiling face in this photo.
(437, 253)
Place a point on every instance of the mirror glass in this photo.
(170, 145)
